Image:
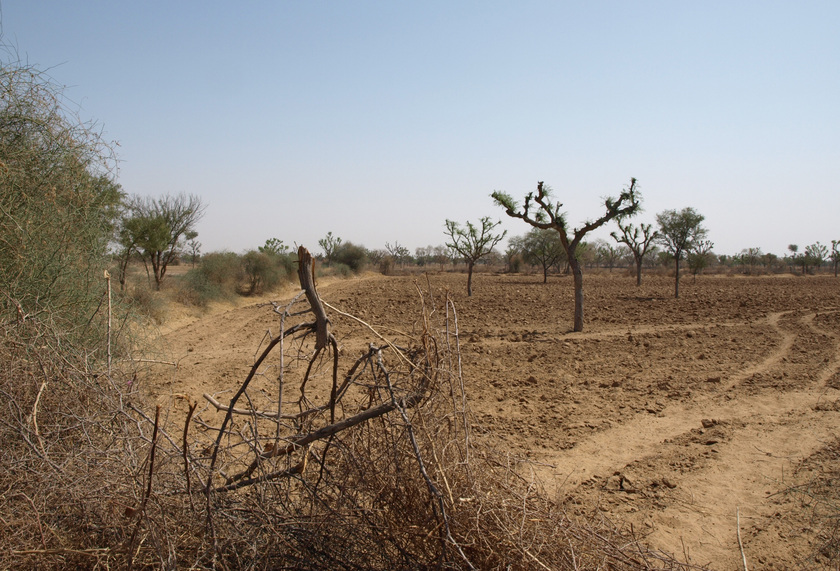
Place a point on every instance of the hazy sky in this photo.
(378, 120)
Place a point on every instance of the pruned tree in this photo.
(274, 247)
(639, 239)
(158, 227)
(194, 247)
(376, 257)
(835, 255)
(679, 232)
(750, 257)
(442, 254)
(473, 242)
(399, 252)
(543, 248)
(608, 255)
(700, 256)
(817, 254)
(547, 214)
(329, 244)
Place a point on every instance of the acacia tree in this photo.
(158, 228)
(639, 239)
(546, 214)
(542, 248)
(679, 233)
(473, 243)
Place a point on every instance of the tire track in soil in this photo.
(778, 428)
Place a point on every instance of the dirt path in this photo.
(669, 415)
(753, 436)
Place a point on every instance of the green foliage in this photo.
(261, 271)
(817, 254)
(701, 256)
(679, 233)
(351, 255)
(329, 244)
(217, 276)
(343, 270)
(274, 247)
(58, 204)
(543, 248)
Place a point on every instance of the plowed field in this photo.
(670, 415)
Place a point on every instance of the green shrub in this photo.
(263, 271)
(342, 270)
(58, 200)
(350, 255)
(288, 263)
(223, 269)
(196, 289)
(217, 276)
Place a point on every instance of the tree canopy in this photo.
(679, 233)
(158, 228)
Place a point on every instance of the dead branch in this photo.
(187, 451)
(306, 274)
(263, 414)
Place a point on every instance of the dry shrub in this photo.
(71, 453)
(365, 463)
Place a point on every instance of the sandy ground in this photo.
(678, 417)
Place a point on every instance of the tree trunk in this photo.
(545, 273)
(156, 269)
(470, 265)
(677, 278)
(578, 277)
(638, 271)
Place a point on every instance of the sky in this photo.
(377, 121)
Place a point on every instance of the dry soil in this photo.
(689, 419)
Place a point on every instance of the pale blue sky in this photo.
(379, 120)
